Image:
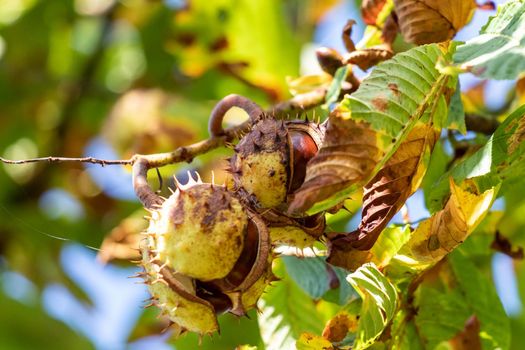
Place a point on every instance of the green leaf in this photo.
(286, 313)
(309, 273)
(399, 93)
(482, 298)
(436, 168)
(379, 303)
(450, 295)
(456, 113)
(499, 51)
(332, 95)
(500, 158)
(441, 314)
(344, 293)
(404, 332)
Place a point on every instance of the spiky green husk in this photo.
(175, 295)
(199, 231)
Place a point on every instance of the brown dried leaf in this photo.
(347, 35)
(503, 245)
(468, 338)
(390, 29)
(370, 9)
(369, 57)
(432, 21)
(123, 241)
(384, 195)
(348, 156)
(338, 327)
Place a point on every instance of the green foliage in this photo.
(46, 333)
(500, 158)
(143, 78)
(379, 303)
(283, 309)
(498, 52)
(453, 293)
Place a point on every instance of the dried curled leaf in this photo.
(348, 156)
(370, 9)
(445, 230)
(432, 21)
(370, 57)
(370, 124)
(123, 240)
(385, 195)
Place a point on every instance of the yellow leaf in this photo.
(308, 341)
(445, 230)
(308, 83)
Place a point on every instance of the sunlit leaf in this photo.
(309, 341)
(379, 303)
(387, 192)
(370, 124)
(431, 21)
(437, 236)
(386, 247)
(500, 158)
(334, 90)
(499, 51)
(283, 309)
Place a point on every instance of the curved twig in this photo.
(217, 115)
(219, 137)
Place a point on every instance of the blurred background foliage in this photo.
(112, 78)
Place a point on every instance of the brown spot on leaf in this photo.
(380, 103)
(394, 88)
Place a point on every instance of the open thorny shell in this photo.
(268, 166)
(205, 254)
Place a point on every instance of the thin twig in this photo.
(219, 137)
(92, 160)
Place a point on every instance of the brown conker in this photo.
(270, 161)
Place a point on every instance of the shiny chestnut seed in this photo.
(251, 273)
(304, 149)
(270, 161)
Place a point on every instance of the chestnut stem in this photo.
(219, 137)
(217, 115)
